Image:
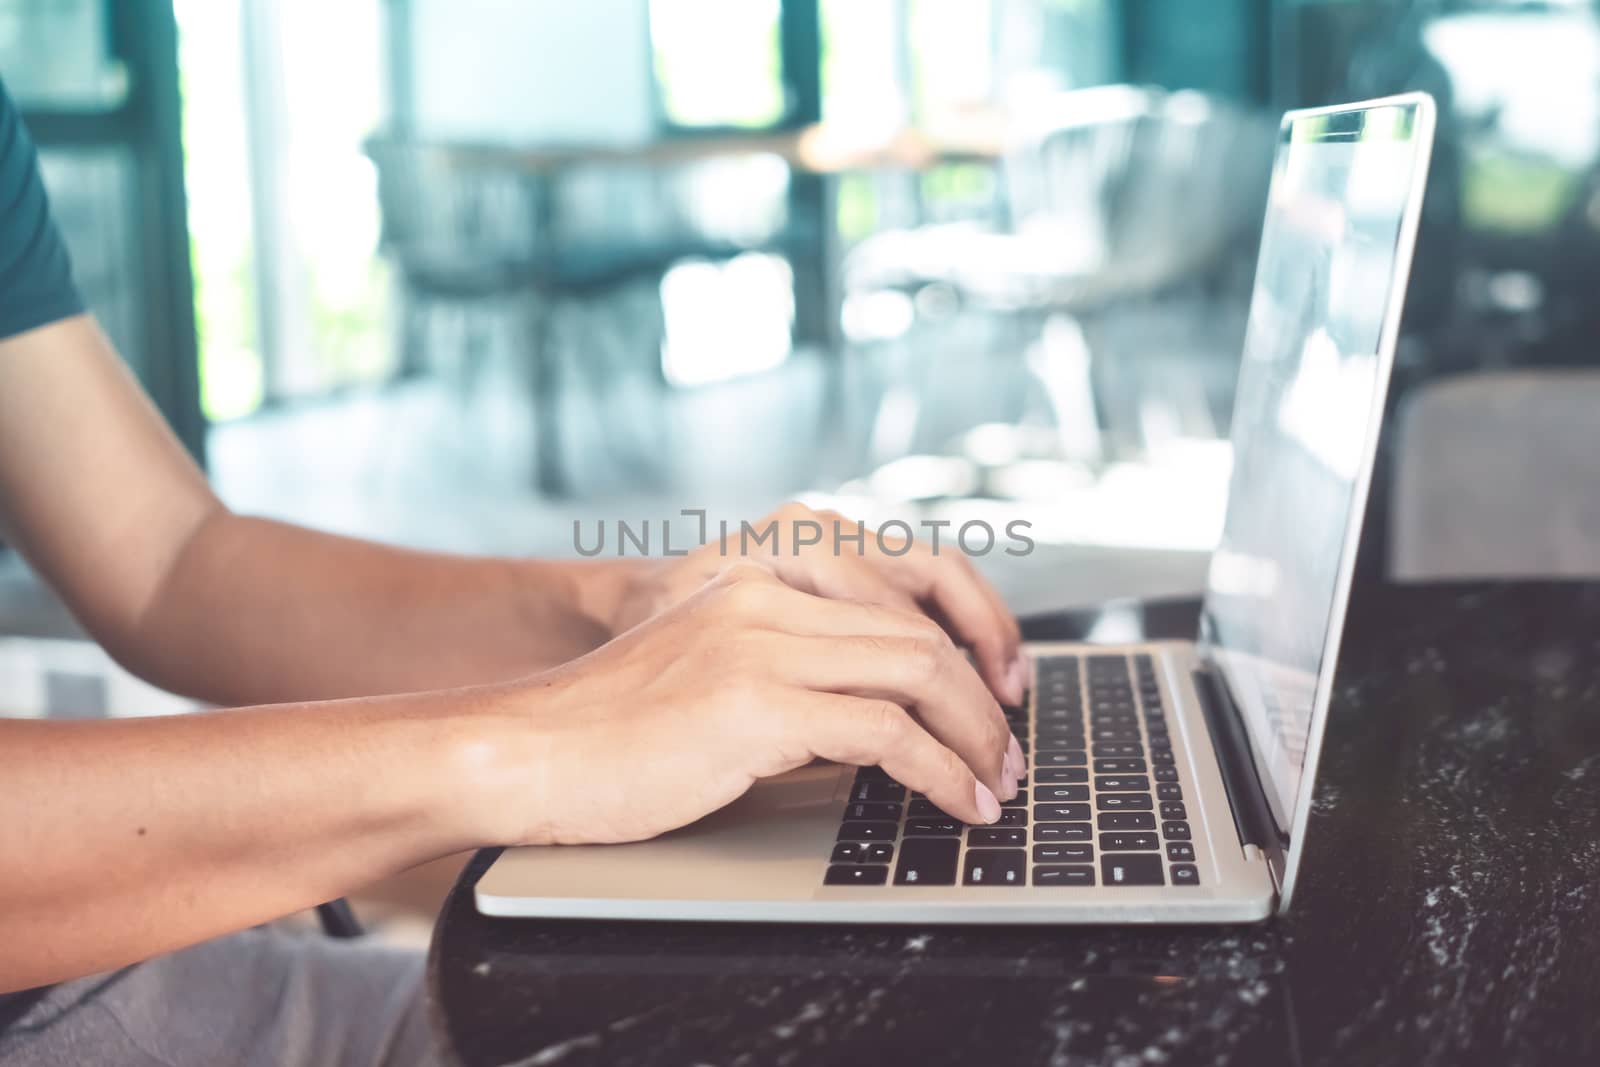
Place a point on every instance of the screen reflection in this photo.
(1304, 416)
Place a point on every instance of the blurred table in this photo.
(1449, 909)
(820, 148)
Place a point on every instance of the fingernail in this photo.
(1016, 763)
(1008, 778)
(988, 806)
(1017, 680)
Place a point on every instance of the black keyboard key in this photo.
(1063, 876)
(1053, 775)
(1160, 757)
(856, 874)
(1123, 802)
(1013, 817)
(1173, 809)
(1063, 720)
(995, 866)
(1119, 766)
(878, 811)
(1063, 831)
(1060, 758)
(1185, 874)
(871, 790)
(923, 808)
(1169, 791)
(1117, 749)
(932, 828)
(995, 837)
(1128, 842)
(872, 774)
(862, 852)
(928, 861)
(1063, 731)
(1059, 793)
(1126, 820)
(1121, 783)
(1063, 853)
(1060, 813)
(1175, 831)
(1131, 870)
(1180, 851)
(1060, 716)
(1114, 735)
(868, 831)
(1165, 774)
(1018, 801)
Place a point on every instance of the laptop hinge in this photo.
(1252, 816)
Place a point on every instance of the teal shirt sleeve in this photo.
(36, 286)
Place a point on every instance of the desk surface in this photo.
(1449, 910)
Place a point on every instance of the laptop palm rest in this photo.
(767, 845)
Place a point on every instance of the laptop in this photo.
(1167, 782)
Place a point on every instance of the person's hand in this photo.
(909, 577)
(745, 679)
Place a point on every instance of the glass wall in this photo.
(290, 292)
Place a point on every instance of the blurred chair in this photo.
(1115, 195)
(1496, 478)
(458, 234)
(465, 242)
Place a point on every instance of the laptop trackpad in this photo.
(771, 843)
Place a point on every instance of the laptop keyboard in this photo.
(1103, 803)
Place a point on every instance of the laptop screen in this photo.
(1329, 281)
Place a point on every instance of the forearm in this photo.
(124, 839)
(255, 611)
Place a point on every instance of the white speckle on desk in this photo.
(808, 1014)
(557, 1052)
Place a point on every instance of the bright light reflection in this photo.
(726, 320)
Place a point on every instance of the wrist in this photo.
(499, 758)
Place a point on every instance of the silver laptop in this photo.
(1170, 781)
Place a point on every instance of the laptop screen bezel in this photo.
(1285, 861)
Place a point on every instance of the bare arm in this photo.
(104, 502)
(123, 839)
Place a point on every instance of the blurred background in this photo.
(456, 273)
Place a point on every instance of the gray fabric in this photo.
(259, 998)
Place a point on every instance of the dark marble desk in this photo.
(1449, 911)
